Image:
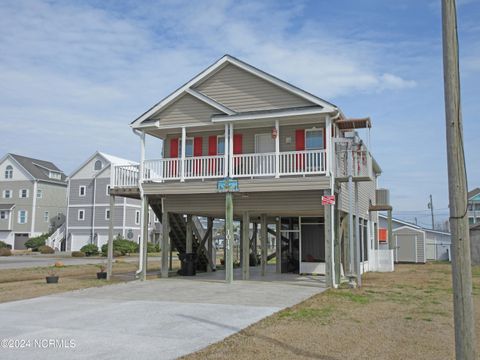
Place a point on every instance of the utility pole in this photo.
(465, 341)
(430, 206)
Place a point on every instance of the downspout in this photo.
(141, 135)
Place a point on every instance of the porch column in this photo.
(277, 150)
(263, 239)
(189, 235)
(278, 246)
(184, 139)
(226, 152)
(210, 244)
(144, 239)
(337, 256)
(228, 238)
(230, 151)
(328, 145)
(328, 242)
(110, 237)
(246, 246)
(165, 241)
(389, 230)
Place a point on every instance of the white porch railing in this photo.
(55, 240)
(209, 167)
(125, 176)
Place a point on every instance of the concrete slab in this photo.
(156, 319)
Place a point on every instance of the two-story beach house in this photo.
(241, 144)
(33, 198)
(473, 206)
(89, 210)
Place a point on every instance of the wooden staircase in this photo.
(178, 235)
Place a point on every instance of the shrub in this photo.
(90, 249)
(117, 253)
(151, 247)
(78, 254)
(5, 252)
(5, 245)
(123, 246)
(35, 242)
(45, 249)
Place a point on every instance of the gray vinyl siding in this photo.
(73, 216)
(130, 216)
(53, 200)
(20, 203)
(366, 193)
(100, 216)
(421, 249)
(101, 196)
(186, 110)
(292, 203)
(241, 91)
(75, 198)
(248, 137)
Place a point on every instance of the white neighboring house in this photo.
(89, 209)
(33, 198)
(416, 243)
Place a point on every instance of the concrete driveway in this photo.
(156, 319)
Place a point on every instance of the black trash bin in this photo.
(189, 264)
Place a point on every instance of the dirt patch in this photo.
(402, 315)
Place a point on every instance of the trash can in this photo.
(189, 264)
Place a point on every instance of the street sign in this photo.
(227, 185)
(328, 200)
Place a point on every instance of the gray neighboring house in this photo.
(475, 243)
(473, 197)
(415, 243)
(88, 206)
(33, 198)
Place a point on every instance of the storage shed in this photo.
(409, 244)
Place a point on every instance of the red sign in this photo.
(328, 200)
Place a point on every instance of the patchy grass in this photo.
(393, 316)
(17, 284)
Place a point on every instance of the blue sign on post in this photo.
(227, 185)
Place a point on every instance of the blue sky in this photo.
(74, 74)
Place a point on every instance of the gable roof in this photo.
(38, 169)
(111, 159)
(212, 69)
(412, 225)
(473, 193)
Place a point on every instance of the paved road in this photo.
(26, 261)
(156, 319)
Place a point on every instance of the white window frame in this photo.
(311, 130)
(80, 191)
(19, 216)
(155, 219)
(8, 172)
(39, 193)
(107, 214)
(10, 192)
(4, 215)
(46, 217)
(55, 175)
(137, 217)
(95, 165)
(108, 190)
(81, 211)
(221, 137)
(20, 193)
(186, 141)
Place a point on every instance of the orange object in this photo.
(382, 235)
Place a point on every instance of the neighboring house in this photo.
(475, 243)
(414, 243)
(285, 147)
(473, 206)
(33, 198)
(88, 206)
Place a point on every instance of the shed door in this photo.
(20, 240)
(431, 251)
(406, 248)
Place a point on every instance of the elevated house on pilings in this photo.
(280, 150)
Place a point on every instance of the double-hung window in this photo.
(22, 216)
(221, 145)
(82, 190)
(188, 147)
(314, 139)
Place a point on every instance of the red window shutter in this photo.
(300, 139)
(382, 235)
(237, 143)
(299, 146)
(197, 146)
(212, 145)
(174, 148)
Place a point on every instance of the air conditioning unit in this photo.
(382, 197)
